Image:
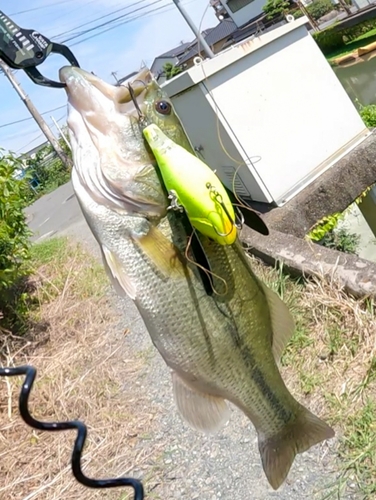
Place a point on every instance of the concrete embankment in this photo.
(305, 258)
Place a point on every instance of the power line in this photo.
(110, 21)
(3, 125)
(99, 18)
(167, 8)
(39, 8)
(120, 24)
(36, 137)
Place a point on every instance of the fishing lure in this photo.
(193, 187)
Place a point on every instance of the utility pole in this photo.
(307, 14)
(192, 25)
(61, 132)
(35, 114)
(346, 7)
(114, 73)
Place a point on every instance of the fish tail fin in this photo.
(278, 452)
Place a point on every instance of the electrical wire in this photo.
(109, 22)
(39, 8)
(37, 137)
(158, 10)
(99, 18)
(3, 125)
(123, 23)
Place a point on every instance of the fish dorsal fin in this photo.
(163, 254)
(201, 411)
(283, 324)
(119, 279)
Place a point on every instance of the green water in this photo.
(359, 81)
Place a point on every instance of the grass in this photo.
(82, 365)
(83, 362)
(361, 41)
(331, 364)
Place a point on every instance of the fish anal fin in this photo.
(162, 253)
(119, 279)
(283, 324)
(201, 411)
(278, 452)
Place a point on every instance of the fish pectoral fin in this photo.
(165, 256)
(278, 452)
(283, 324)
(201, 411)
(115, 271)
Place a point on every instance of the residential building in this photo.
(216, 38)
(219, 10)
(243, 11)
(172, 56)
(125, 78)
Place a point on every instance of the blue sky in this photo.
(121, 49)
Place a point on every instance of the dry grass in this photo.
(83, 373)
(331, 363)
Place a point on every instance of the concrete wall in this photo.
(302, 258)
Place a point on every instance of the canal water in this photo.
(359, 81)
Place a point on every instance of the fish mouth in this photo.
(107, 143)
(82, 86)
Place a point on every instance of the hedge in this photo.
(14, 241)
(333, 38)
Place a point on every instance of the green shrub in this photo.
(319, 8)
(47, 171)
(14, 241)
(341, 240)
(329, 40)
(325, 225)
(297, 13)
(275, 8)
(368, 114)
(354, 32)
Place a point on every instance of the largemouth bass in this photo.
(221, 346)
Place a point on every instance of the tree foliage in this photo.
(170, 70)
(14, 239)
(275, 8)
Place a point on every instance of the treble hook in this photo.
(239, 218)
(142, 118)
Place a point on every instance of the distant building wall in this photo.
(158, 64)
(217, 47)
(242, 11)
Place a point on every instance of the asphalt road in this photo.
(221, 467)
(59, 214)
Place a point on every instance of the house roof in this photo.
(125, 78)
(176, 52)
(216, 34)
(249, 28)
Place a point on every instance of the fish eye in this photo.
(163, 107)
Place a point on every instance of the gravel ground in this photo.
(226, 466)
(194, 466)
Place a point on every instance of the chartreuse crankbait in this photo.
(194, 187)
